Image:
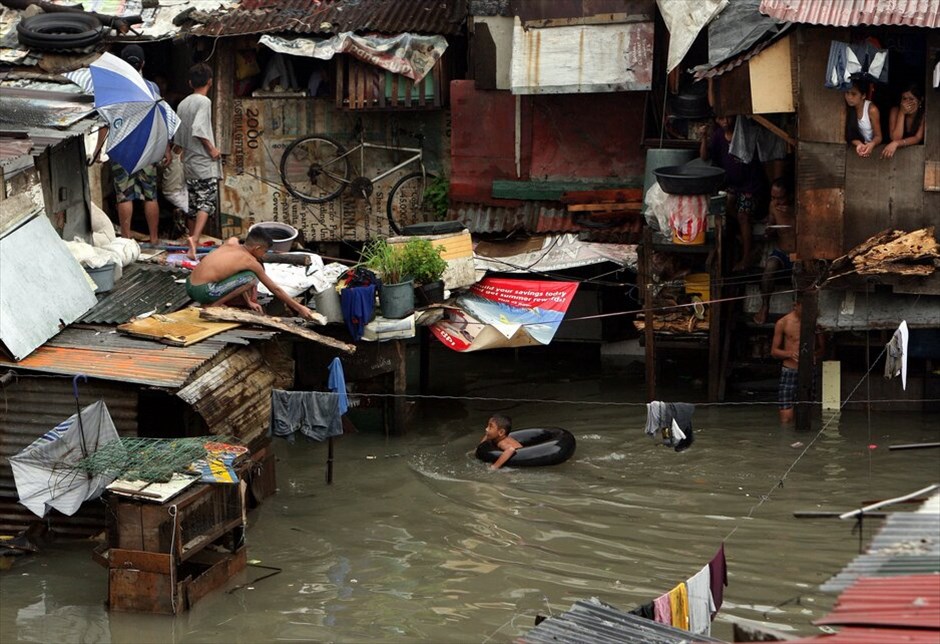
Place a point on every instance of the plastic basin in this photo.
(283, 234)
(690, 179)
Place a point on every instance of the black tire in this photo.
(59, 31)
(405, 204)
(303, 169)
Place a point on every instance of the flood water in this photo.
(417, 541)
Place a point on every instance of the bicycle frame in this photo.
(362, 146)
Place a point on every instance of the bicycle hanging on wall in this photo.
(318, 169)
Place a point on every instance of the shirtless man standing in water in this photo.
(786, 347)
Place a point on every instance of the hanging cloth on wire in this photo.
(849, 60)
(314, 414)
(896, 354)
(667, 417)
(337, 384)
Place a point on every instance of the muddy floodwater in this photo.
(417, 541)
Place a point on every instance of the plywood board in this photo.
(821, 110)
(820, 199)
(732, 92)
(771, 81)
(884, 193)
(179, 329)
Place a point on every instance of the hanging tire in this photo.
(315, 169)
(59, 31)
(406, 203)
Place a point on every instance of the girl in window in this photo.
(906, 121)
(863, 122)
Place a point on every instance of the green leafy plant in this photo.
(423, 261)
(437, 197)
(386, 259)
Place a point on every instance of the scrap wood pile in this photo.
(605, 208)
(678, 297)
(892, 252)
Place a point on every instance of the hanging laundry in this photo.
(751, 138)
(849, 60)
(701, 604)
(679, 604)
(337, 384)
(896, 354)
(660, 417)
(936, 75)
(662, 612)
(718, 576)
(314, 414)
(358, 304)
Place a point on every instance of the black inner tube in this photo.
(59, 31)
(540, 446)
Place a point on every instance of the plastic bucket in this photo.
(397, 300)
(283, 234)
(328, 304)
(103, 277)
(688, 237)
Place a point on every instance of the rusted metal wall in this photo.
(534, 10)
(233, 392)
(30, 407)
(257, 130)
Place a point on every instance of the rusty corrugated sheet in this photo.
(234, 394)
(539, 217)
(34, 405)
(851, 13)
(908, 543)
(142, 288)
(445, 17)
(103, 353)
(12, 149)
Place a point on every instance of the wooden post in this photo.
(831, 385)
(646, 249)
(424, 363)
(715, 345)
(401, 378)
(804, 411)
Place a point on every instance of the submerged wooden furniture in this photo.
(164, 557)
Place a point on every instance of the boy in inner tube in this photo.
(497, 430)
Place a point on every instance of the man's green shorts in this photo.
(211, 291)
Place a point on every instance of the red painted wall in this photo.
(564, 136)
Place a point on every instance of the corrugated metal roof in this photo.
(857, 635)
(908, 543)
(910, 601)
(12, 149)
(143, 288)
(851, 13)
(540, 217)
(446, 17)
(103, 353)
(740, 59)
(34, 405)
(594, 621)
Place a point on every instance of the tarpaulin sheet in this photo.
(406, 54)
(736, 29)
(503, 313)
(685, 20)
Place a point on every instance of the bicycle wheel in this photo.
(314, 169)
(406, 203)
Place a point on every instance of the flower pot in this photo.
(397, 300)
(430, 293)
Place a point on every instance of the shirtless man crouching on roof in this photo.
(230, 275)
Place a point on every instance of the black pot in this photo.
(430, 293)
(690, 179)
(690, 106)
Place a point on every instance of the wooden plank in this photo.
(601, 196)
(222, 95)
(821, 110)
(157, 562)
(932, 129)
(339, 72)
(143, 592)
(422, 90)
(773, 128)
(820, 199)
(220, 571)
(626, 206)
(771, 83)
(553, 190)
(395, 101)
(732, 92)
(229, 314)
(382, 82)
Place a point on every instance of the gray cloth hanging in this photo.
(314, 414)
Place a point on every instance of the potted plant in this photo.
(424, 264)
(396, 294)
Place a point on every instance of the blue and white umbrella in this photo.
(140, 122)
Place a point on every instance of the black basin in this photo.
(690, 179)
(690, 106)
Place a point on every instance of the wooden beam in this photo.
(553, 190)
(605, 207)
(231, 314)
(645, 262)
(804, 412)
